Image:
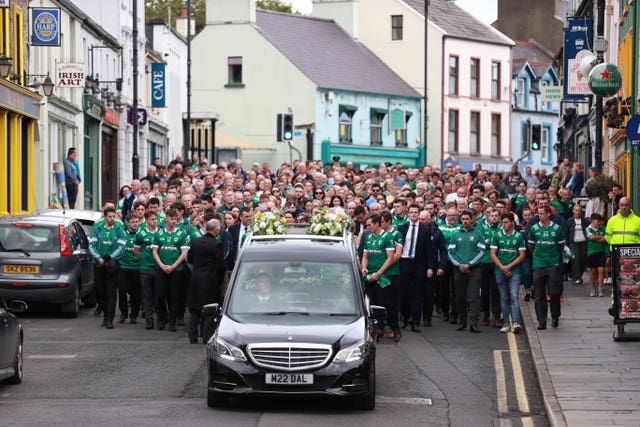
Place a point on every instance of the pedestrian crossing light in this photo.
(536, 134)
(285, 127)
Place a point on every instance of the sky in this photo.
(484, 10)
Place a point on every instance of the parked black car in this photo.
(46, 259)
(11, 339)
(295, 321)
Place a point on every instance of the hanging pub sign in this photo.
(69, 74)
(45, 24)
(577, 46)
(605, 79)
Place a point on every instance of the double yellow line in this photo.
(501, 384)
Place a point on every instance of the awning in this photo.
(224, 140)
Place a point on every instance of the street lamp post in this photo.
(426, 50)
(135, 161)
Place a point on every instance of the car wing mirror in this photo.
(211, 310)
(17, 306)
(378, 311)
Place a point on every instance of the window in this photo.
(346, 115)
(452, 142)
(18, 44)
(544, 144)
(235, 70)
(396, 27)
(399, 120)
(521, 92)
(376, 126)
(453, 75)
(475, 78)
(495, 80)
(4, 32)
(495, 135)
(474, 134)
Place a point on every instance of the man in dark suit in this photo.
(208, 268)
(239, 232)
(415, 267)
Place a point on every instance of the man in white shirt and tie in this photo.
(415, 264)
(240, 230)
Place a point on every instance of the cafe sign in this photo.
(605, 79)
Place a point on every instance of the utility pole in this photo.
(426, 50)
(188, 126)
(135, 161)
(599, 110)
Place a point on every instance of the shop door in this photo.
(109, 167)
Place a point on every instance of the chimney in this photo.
(344, 12)
(231, 12)
(182, 23)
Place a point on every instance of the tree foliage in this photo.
(163, 9)
(275, 5)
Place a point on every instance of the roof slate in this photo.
(529, 51)
(456, 22)
(328, 55)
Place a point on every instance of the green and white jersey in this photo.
(508, 248)
(448, 230)
(145, 240)
(106, 241)
(129, 260)
(594, 247)
(185, 226)
(170, 245)
(397, 240)
(488, 231)
(377, 248)
(117, 223)
(545, 241)
(397, 221)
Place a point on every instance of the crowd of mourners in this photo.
(433, 243)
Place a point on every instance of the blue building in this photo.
(534, 81)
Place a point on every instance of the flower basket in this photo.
(330, 222)
(268, 224)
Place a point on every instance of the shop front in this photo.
(19, 113)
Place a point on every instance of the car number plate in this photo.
(289, 379)
(21, 269)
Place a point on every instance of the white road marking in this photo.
(501, 386)
(404, 400)
(527, 421)
(50, 356)
(521, 393)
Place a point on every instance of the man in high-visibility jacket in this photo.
(623, 227)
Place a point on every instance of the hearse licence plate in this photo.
(289, 379)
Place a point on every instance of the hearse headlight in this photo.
(228, 351)
(353, 353)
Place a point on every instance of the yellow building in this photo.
(19, 113)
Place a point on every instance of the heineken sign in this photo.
(605, 79)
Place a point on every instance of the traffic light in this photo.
(284, 127)
(536, 135)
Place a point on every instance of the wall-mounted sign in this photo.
(143, 117)
(69, 75)
(551, 93)
(605, 79)
(158, 85)
(577, 45)
(45, 23)
(5, 3)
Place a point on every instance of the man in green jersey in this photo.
(145, 238)
(106, 246)
(465, 252)
(379, 253)
(446, 288)
(546, 242)
(489, 288)
(129, 277)
(508, 250)
(170, 250)
(399, 211)
(393, 272)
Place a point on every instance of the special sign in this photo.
(70, 75)
(46, 26)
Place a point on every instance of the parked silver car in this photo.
(46, 259)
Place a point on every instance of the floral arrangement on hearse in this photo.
(329, 222)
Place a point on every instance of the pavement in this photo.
(586, 378)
